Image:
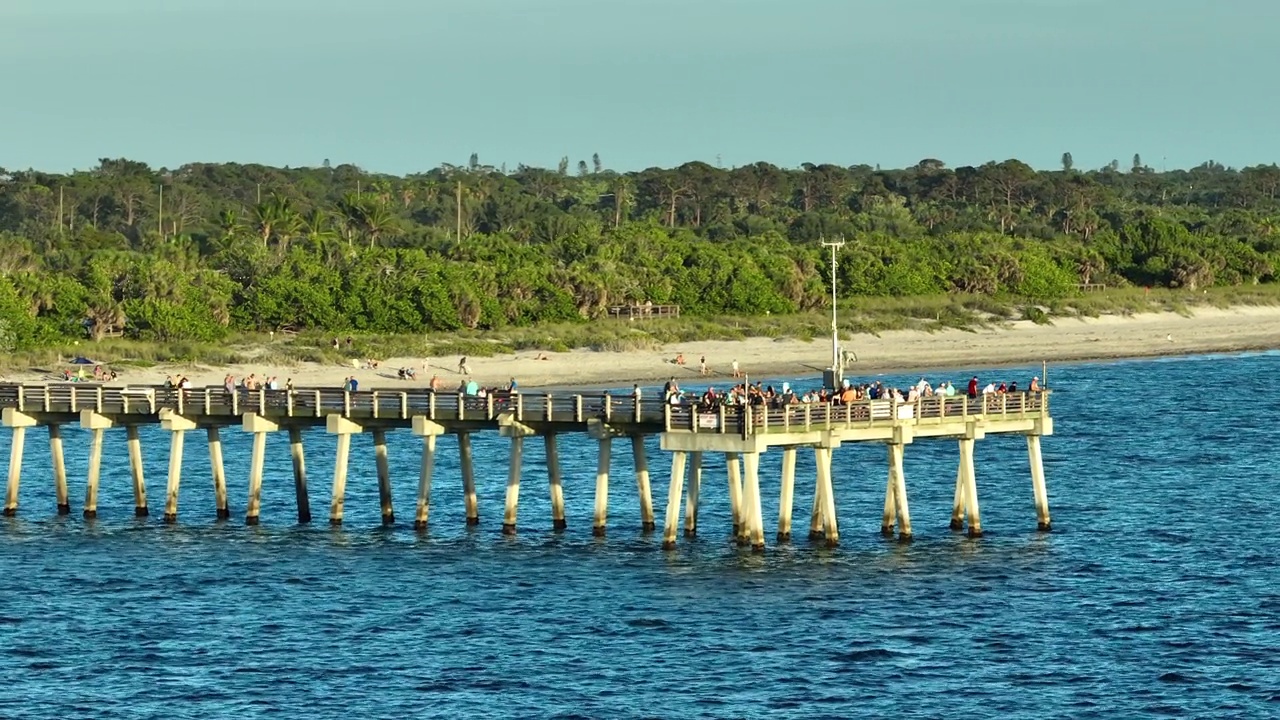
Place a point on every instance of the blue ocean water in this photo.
(1157, 593)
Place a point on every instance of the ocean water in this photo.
(1157, 593)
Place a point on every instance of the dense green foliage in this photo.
(195, 252)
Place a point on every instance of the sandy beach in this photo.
(1018, 343)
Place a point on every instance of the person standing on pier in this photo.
(973, 386)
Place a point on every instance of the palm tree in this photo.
(376, 220)
(105, 316)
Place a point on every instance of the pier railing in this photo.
(213, 402)
(216, 403)
(753, 420)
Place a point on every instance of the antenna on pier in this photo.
(837, 367)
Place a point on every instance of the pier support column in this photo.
(898, 488)
(19, 422)
(428, 431)
(735, 493)
(815, 518)
(1041, 494)
(59, 470)
(642, 483)
(970, 487)
(752, 513)
(219, 474)
(601, 517)
(384, 476)
(553, 481)
(135, 470)
(259, 426)
(957, 505)
(97, 425)
(517, 431)
(299, 457)
(786, 497)
(889, 517)
(829, 529)
(344, 429)
(512, 504)
(673, 501)
(468, 478)
(178, 427)
(695, 489)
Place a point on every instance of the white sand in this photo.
(1208, 330)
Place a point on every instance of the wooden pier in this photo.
(689, 434)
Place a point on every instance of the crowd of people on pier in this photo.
(759, 394)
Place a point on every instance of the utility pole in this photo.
(837, 371)
(160, 214)
(458, 202)
(60, 221)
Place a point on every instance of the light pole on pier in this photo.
(836, 369)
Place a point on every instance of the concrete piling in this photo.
(19, 422)
(135, 471)
(1043, 522)
(601, 516)
(344, 429)
(815, 518)
(15, 471)
(971, 487)
(642, 483)
(468, 479)
(553, 482)
(384, 476)
(786, 496)
(259, 427)
(830, 530)
(957, 505)
(513, 486)
(428, 431)
(735, 492)
(695, 489)
(298, 455)
(673, 500)
(60, 492)
(890, 515)
(898, 483)
(97, 426)
(751, 489)
(221, 508)
(174, 480)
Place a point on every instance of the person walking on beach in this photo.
(702, 365)
(736, 372)
(463, 367)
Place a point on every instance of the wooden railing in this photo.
(318, 402)
(216, 402)
(864, 413)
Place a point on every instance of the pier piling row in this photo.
(691, 435)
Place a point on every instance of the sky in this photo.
(402, 86)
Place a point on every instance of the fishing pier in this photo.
(687, 433)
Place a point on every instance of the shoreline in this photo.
(958, 352)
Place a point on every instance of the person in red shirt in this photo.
(973, 387)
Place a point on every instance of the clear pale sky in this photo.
(404, 85)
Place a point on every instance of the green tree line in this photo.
(205, 249)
